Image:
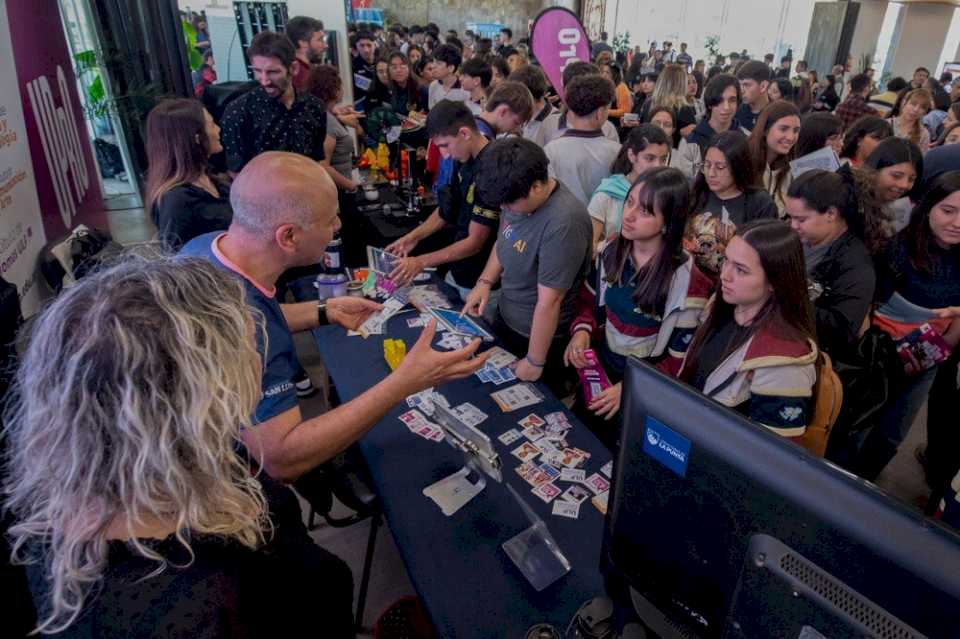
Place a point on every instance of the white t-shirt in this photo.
(437, 92)
(581, 160)
(550, 130)
(608, 211)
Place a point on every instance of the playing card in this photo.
(564, 508)
(571, 458)
(469, 414)
(509, 437)
(558, 417)
(516, 396)
(411, 416)
(607, 469)
(549, 470)
(525, 452)
(597, 483)
(536, 477)
(547, 492)
(557, 428)
(577, 494)
(573, 474)
(499, 358)
(533, 433)
(600, 502)
(525, 468)
(531, 420)
(483, 375)
(507, 374)
(546, 447)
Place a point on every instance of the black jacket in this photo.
(847, 280)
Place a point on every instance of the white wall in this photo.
(924, 32)
(869, 23)
(331, 12)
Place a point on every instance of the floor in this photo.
(903, 478)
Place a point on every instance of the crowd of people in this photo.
(647, 209)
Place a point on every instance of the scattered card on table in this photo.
(573, 474)
(525, 452)
(607, 469)
(577, 494)
(597, 483)
(564, 508)
(509, 437)
(531, 420)
(469, 414)
(558, 417)
(500, 358)
(532, 433)
(547, 492)
(549, 470)
(600, 502)
(516, 396)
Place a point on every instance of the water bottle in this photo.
(332, 281)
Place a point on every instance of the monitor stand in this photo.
(534, 551)
(453, 492)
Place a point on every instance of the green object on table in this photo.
(370, 285)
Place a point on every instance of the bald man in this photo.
(284, 214)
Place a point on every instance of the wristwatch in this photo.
(322, 319)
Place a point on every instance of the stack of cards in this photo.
(419, 425)
(593, 379)
(518, 396)
(490, 373)
(451, 341)
(374, 325)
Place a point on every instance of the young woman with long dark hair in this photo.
(828, 211)
(772, 145)
(756, 350)
(820, 130)
(862, 137)
(646, 293)
(726, 195)
(184, 198)
(646, 147)
(898, 166)
(919, 273)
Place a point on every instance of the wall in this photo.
(453, 14)
(924, 31)
(869, 22)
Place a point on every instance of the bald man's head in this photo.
(277, 188)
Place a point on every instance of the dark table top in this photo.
(467, 582)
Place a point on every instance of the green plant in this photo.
(712, 44)
(621, 43)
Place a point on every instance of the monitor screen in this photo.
(722, 528)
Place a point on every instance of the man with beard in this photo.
(310, 40)
(274, 116)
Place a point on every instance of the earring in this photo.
(663, 230)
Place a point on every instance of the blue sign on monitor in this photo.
(666, 446)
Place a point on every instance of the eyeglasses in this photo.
(399, 65)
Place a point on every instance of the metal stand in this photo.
(452, 492)
(534, 551)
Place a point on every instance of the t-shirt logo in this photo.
(520, 246)
(507, 232)
(470, 194)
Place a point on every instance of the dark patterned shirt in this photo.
(256, 122)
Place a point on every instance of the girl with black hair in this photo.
(781, 89)
(721, 98)
(646, 147)
(861, 138)
(827, 211)
(646, 294)
(756, 350)
(919, 273)
(819, 130)
(726, 195)
(898, 165)
(772, 145)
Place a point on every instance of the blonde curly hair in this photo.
(125, 412)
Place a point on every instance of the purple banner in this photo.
(557, 40)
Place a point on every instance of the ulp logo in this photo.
(667, 446)
(60, 135)
(653, 436)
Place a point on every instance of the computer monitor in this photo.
(721, 528)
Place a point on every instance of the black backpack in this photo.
(67, 259)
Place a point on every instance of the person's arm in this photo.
(546, 314)
(480, 294)
(348, 312)
(344, 183)
(952, 336)
(287, 446)
(840, 312)
(408, 267)
(405, 244)
(623, 103)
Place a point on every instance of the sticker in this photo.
(666, 446)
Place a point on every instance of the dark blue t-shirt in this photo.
(280, 363)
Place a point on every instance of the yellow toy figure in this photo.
(394, 350)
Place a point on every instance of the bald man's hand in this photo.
(350, 312)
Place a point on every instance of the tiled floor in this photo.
(902, 479)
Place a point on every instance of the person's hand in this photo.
(950, 312)
(406, 269)
(423, 367)
(477, 299)
(525, 371)
(402, 247)
(345, 109)
(607, 403)
(350, 312)
(629, 124)
(574, 353)
(351, 120)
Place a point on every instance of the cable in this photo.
(236, 32)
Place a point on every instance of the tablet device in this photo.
(465, 325)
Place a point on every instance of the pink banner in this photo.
(558, 39)
(68, 187)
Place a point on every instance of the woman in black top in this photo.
(183, 198)
(131, 508)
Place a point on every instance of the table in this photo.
(466, 581)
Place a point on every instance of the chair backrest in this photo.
(827, 403)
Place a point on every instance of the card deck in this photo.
(597, 483)
(525, 452)
(509, 437)
(547, 492)
(564, 508)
